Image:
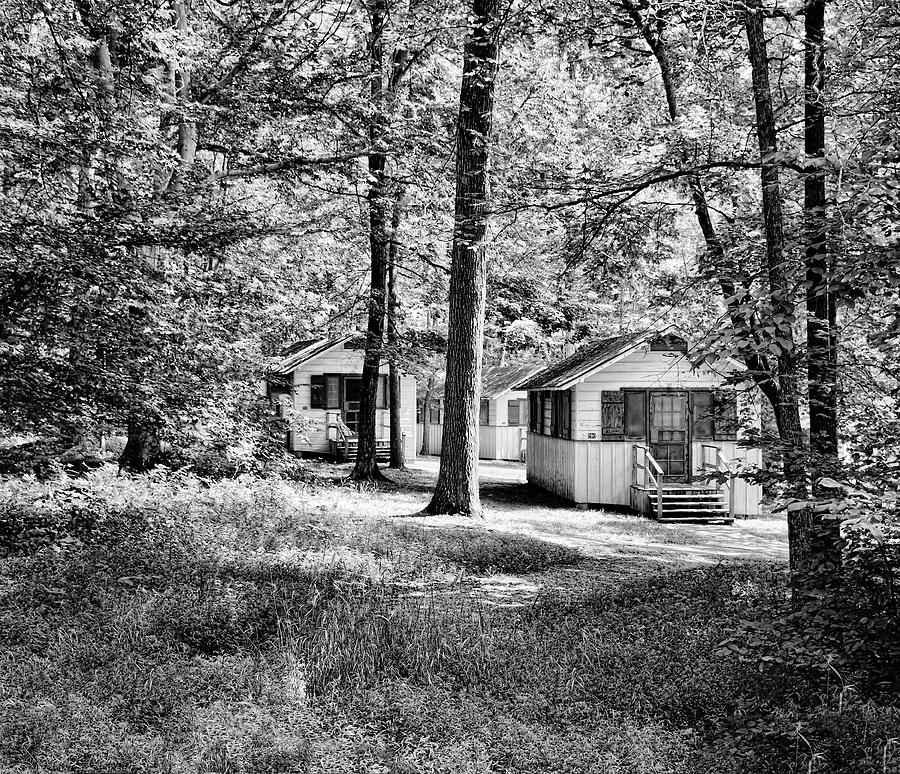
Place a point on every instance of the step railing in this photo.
(344, 434)
(646, 472)
(714, 462)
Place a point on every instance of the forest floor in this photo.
(166, 623)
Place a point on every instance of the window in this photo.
(702, 415)
(624, 415)
(635, 414)
(516, 412)
(714, 415)
(533, 411)
(561, 416)
(668, 343)
(317, 392)
(484, 412)
(726, 416)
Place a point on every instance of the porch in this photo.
(343, 440)
(655, 494)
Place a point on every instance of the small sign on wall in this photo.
(592, 436)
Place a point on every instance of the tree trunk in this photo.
(142, 450)
(457, 484)
(782, 307)
(734, 293)
(393, 309)
(821, 336)
(366, 468)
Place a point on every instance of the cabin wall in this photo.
(642, 370)
(600, 473)
(494, 443)
(313, 438)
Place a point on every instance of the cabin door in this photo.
(669, 434)
(352, 396)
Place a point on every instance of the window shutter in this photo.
(726, 417)
(612, 406)
(702, 415)
(484, 409)
(317, 392)
(512, 413)
(635, 415)
(566, 418)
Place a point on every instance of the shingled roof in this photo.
(499, 379)
(591, 356)
(301, 351)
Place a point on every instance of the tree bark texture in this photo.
(366, 467)
(821, 334)
(457, 485)
(782, 307)
(734, 293)
(393, 339)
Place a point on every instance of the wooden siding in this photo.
(494, 443)
(347, 361)
(643, 370)
(600, 473)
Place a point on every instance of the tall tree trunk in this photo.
(366, 468)
(782, 306)
(734, 292)
(821, 336)
(457, 484)
(393, 339)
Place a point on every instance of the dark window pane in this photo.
(317, 392)
(484, 412)
(635, 413)
(703, 415)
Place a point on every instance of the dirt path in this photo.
(513, 505)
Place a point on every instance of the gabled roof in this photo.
(588, 359)
(499, 379)
(298, 353)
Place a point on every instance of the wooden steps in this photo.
(346, 450)
(688, 503)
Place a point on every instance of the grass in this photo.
(250, 626)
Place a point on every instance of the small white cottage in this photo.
(318, 382)
(630, 421)
(503, 415)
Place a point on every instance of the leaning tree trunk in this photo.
(821, 336)
(782, 307)
(366, 468)
(734, 292)
(457, 484)
(808, 538)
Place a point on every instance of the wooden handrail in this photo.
(720, 466)
(653, 474)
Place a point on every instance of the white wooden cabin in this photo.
(318, 383)
(503, 415)
(630, 421)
